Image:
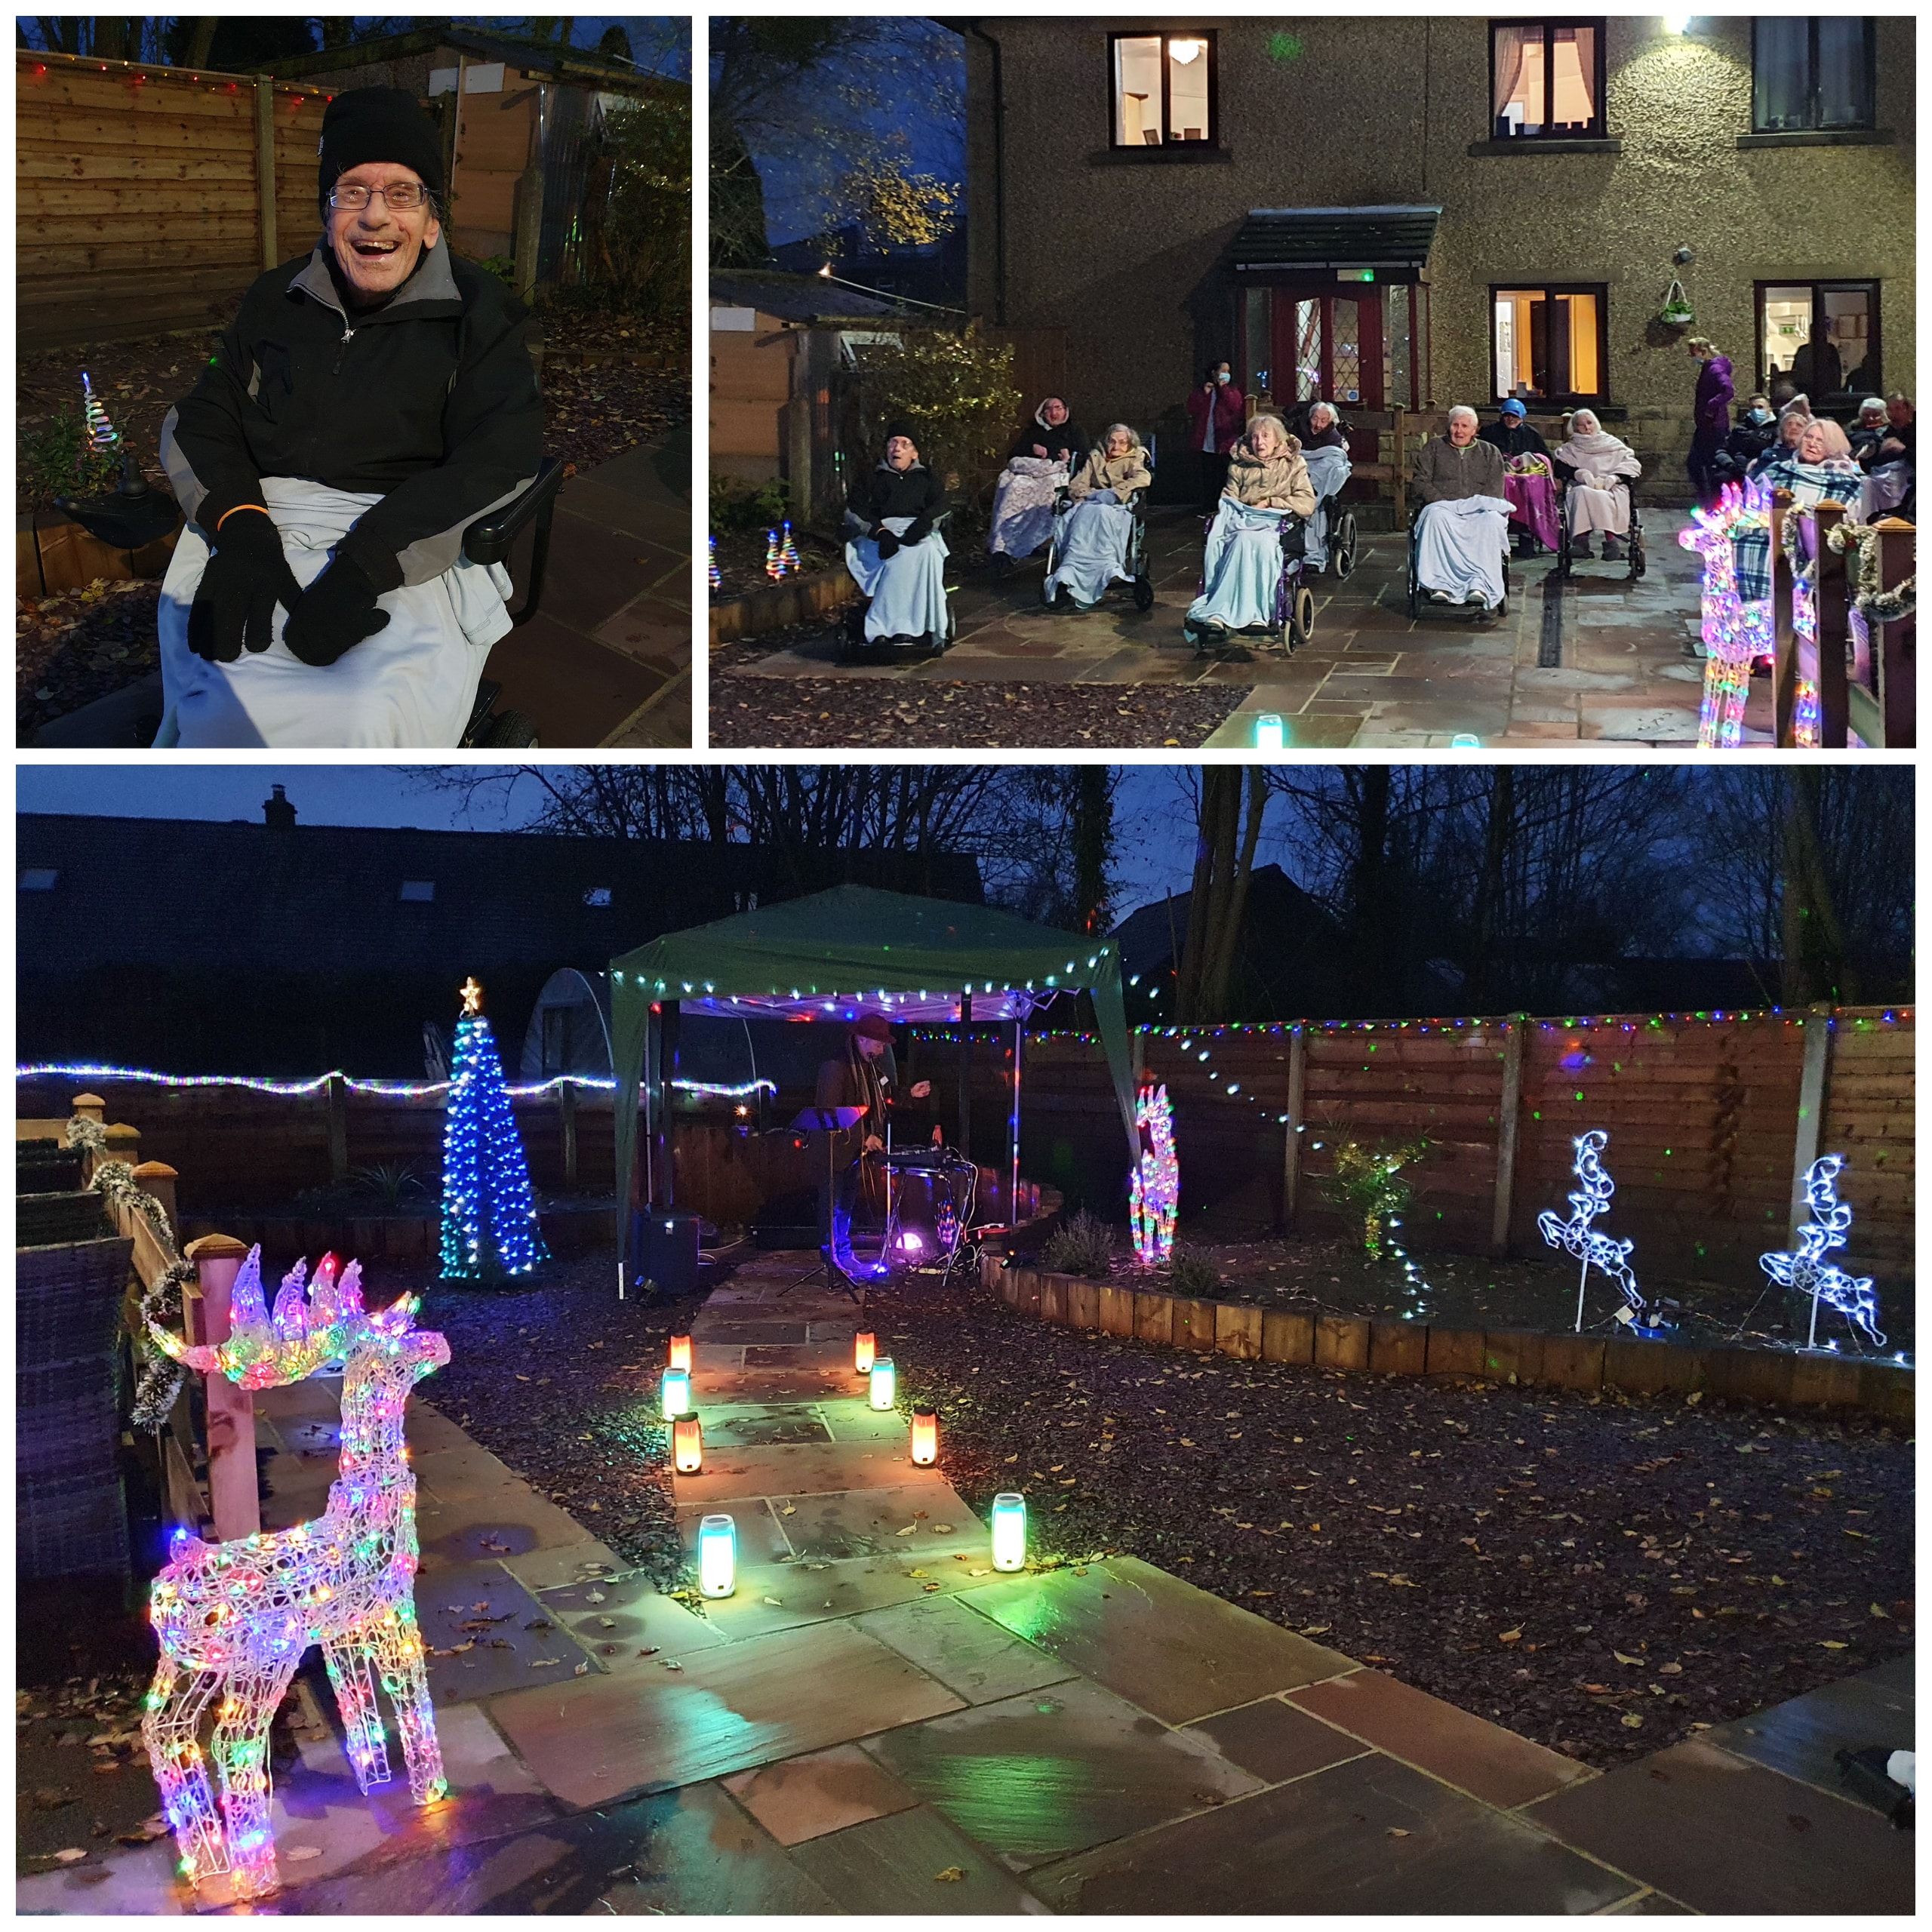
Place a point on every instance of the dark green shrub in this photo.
(1082, 1244)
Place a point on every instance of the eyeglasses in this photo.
(398, 196)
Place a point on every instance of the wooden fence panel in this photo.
(140, 209)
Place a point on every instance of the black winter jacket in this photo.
(430, 399)
(888, 492)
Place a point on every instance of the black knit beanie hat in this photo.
(901, 428)
(379, 124)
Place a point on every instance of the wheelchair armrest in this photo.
(488, 540)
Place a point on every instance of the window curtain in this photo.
(1510, 43)
(1843, 101)
(1781, 82)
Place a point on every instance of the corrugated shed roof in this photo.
(1391, 237)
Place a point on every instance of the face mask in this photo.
(1760, 417)
(1220, 375)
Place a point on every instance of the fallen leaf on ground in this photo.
(950, 1875)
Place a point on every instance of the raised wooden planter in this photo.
(1361, 1345)
(568, 1230)
(52, 553)
(772, 606)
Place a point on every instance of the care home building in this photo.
(1401, 214)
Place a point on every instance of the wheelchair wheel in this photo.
(852, 645)
(1342, 546)
(507, 730)
(1301, 616)
(1143, 594)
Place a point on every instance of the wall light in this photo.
(675, 1393)
(925, 1436)
(1009, 1530)
(864, 1347)
(687, 1444)
(1186, 51)
(1677, 24)
(884, 1383)
(717, 1556)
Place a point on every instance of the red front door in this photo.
(1327, 344)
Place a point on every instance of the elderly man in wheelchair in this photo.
(368, 406)
(1459, 542)
(896, 549)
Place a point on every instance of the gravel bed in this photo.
(1603, 1575)
(79, 645)
(814, 713)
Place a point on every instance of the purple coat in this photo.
(1712, 410)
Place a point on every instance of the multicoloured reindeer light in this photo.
(1592, 1197)
(1735, 632)
(1809, 1273)
(236, 1618)
(1154, 1194)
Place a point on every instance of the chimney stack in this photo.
(278, 812)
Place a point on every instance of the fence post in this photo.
(1291, 1133)
(124, 1143)
(338, 1102)
(1813, 1087)
(566, 1111)
(158, 1179)
(1830, 607)
(234, 1495)
(1785, 666)
(265, 164)
(1894, 646)
(1509, 1110)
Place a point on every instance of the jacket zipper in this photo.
(347, 332)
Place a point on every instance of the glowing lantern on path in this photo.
(864, 1347)
(676, 1392)
(925, 1436)
(687, 1444)
(884, 1384)
(717, 1556)
(680, 1353)
(1009, 1530)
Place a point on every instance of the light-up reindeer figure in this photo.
(1154, 1194)
(1809, 1273)
(234, 1619)
(1734, 632)
(1590, 1198)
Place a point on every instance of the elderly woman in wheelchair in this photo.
(1459, 542)
(1257, 553)
(1097, 536)
(896, 553)
(1595, 472)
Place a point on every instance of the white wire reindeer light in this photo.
(234, 1619)
(1809, 1273)
(1590, 1198)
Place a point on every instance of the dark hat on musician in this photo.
(901, 428)
(378, 123)
(874, 1027)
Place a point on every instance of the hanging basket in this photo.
(1676, 313)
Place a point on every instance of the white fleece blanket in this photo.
(413, 683)
(1460, 546)
(908, 588)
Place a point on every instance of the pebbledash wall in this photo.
(1127, 252)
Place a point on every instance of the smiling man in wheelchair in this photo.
(366, 406)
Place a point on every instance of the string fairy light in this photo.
(234, 1619)
(489, 1224)
(408, 1090)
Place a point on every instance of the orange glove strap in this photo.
(227, 514)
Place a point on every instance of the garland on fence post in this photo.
(157, 1378)
(1875, 605)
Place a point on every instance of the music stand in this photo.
(829, 1120)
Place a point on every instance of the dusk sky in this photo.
(1154, 820)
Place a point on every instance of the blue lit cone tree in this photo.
(489, 1229)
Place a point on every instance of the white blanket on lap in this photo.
(413, 683)
(908, 588)
(1023, 506)
(1242, 569)
(1093, 549)
(1459, 547)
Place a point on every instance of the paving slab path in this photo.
(1596, 658)
(875, 1721)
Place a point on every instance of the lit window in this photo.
(1164, 89)
(598, 895)
(1549, 343)
(1823, 335)
(1808, 75)
(421, 889)
(39, 878)
(1546, 80)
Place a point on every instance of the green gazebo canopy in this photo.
(853, 950)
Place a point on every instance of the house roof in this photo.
(1358, 237)
(798, 298)
(568, 64)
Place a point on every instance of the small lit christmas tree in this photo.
(788, 550)
(102, 437)
(717, 579)
(490, 1227)
(774, 557)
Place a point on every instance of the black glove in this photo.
(888, 544)
(338, 612)
(246, 577)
